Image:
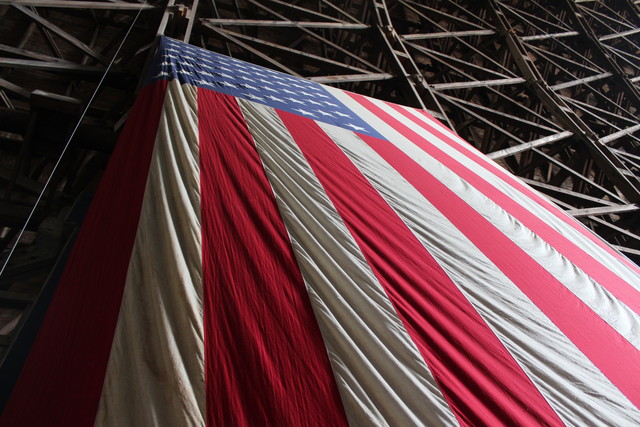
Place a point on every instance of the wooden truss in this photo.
(548, 89)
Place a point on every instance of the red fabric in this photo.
(618, 359)
(506, 177)
(265, 361)
(61, 381)
(480, 380)
(620, 288)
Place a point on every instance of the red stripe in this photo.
(605, 347)
(469, 152)
(620, 288)
(265, 360)
(62, 379)
(480, 380)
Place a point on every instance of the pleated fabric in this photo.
(285, 253)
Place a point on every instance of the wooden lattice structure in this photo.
(549, 89)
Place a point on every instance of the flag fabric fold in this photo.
(266, 250)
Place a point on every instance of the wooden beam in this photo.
(289, 51)
(294, 24)
(28, 53)
(61, 33)
(620, 34)
(446, 34)
(549, 36)
(581, 81)
(60, 67)
(477, 83)
(603, 210)
(251, 49)
(7, 85)
(619, 134)
(529, 145)
(629, 251)
(79, 4)
(346, 78)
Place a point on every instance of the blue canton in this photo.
(210, 70)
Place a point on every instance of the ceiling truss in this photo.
(548, 89)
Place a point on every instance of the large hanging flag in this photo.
(265, 250)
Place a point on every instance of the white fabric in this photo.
(564, 376)
(155, 374)
(513, 188)
(380, 373)
(596, 297)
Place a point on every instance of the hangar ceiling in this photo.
(548, 89)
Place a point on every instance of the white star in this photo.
(252, 96)
(289, 91)
(341, 114)
(311, 101)
(304, 111)
(295, 100)
(352, 126)
(227, 84)
(270, 89)
(274, 98)
(324, 113)
(250, 87)
(330, 103)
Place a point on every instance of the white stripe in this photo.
(592, 293)
(380, 373)
(155, 374)
(572, 385)
(598, 298)
(493, 174)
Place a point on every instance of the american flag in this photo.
(266, 250)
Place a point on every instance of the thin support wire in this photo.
(66, 146)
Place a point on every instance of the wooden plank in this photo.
(290, 51)
(446, 34)
(253, 50)
(549, 36)
(581, 81)
(566, 192)
(619, 134)
(277, 23)
(79, 4)
(61, 33)
(60, 67)
(603, 210)
(7, 85)
(629, 251)
(529, 145)
(346, 78)
(476, 83)
(28, 53)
